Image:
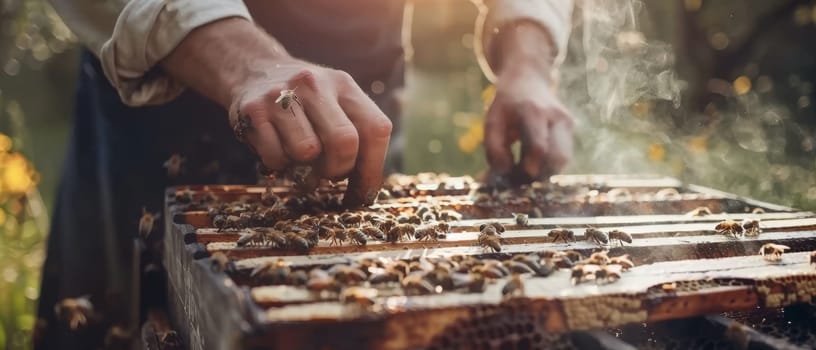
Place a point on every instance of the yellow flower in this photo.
(471, 139)
(656, 152)
(17, 175)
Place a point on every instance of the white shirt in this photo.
(131, 37)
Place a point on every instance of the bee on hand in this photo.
(286, 98)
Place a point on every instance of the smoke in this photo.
(624, 91)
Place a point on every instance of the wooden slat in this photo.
(626, 301)
(526, 240)
(653, 249)
(738, 332)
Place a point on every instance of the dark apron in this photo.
(114, 160)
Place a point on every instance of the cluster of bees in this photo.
(592, 234)
(269, 223)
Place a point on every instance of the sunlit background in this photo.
(717, 93)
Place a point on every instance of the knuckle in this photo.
(306, 150)
(344, 78)
(344, 140)
(307, 77)
(380, 127)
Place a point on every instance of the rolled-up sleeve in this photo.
(145, 32)
(554, 16)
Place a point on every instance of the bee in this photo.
(731, 227)
(373, 232)
(521, 219)
(537, 213)
(387, 225)
(274, 272)
(758, 210)
(297, 242)
(751, 227)
(513, 288)
(269, 198)
(75, 311)
(146, 222)
(389, 274)
(351, 219)
(357, 236)
(473, 282)
(255, 238)
(174, 165)
(623, 260)
(275, 238)
(515, 266)
(598, 258)
(561, 234)
(620, 236)
(449, 215)
(596, 235)
(699, 211)
(426, 233)
(573, 255)
(606, 274)
(396, 233)
(813, 257)
(772, 252)
(667, 194)
(581, 273)
(338, 235)
(286, 98)
(492, 242)
(496, 225)
(415, 284)
(221, 263)
(232, 222)
(241, 127)
(347, 274)
(619, 194)
(362, 296)
(444, 228)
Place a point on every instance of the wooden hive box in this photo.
(686, 279)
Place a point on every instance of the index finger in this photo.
(374, 130)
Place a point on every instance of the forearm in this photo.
(523, 47)
(213, 59)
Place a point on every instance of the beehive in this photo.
(685, 271)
